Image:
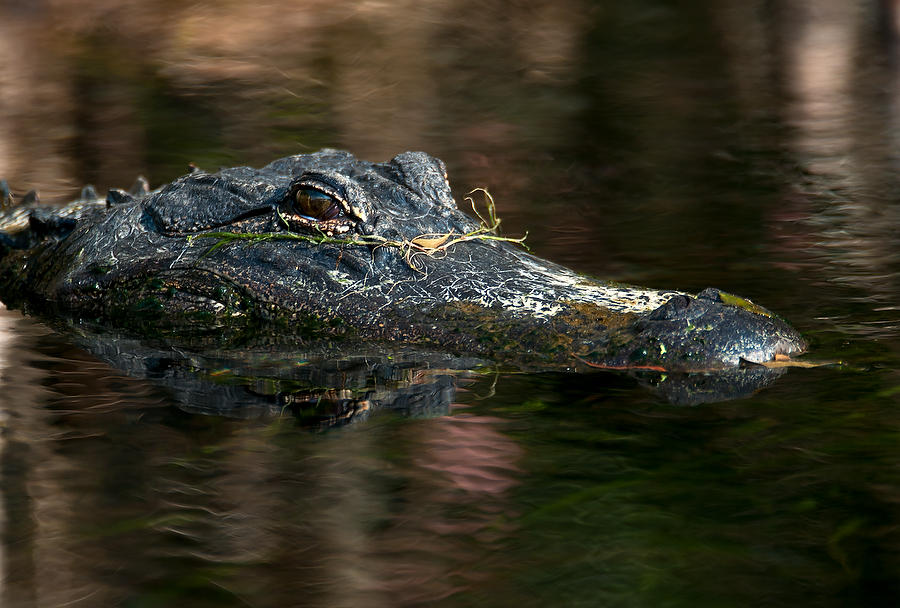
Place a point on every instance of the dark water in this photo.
(751, 146)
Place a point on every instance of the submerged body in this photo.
(328, 246)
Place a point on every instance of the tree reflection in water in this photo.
(746, 145)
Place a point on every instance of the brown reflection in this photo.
(819, 68)
(17, 525)
(452, 535)
(829, 72)
(435, 534)
(35, 105)
(49, 500)
(108, 498)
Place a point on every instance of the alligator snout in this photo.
(711, 330)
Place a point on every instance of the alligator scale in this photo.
(326, 246)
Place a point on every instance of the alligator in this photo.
(325, 246)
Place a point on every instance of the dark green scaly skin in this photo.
(141, 262)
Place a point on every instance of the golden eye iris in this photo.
(316, 205)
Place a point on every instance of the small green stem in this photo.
(424, 244)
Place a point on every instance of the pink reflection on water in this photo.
(472, 455)
(450, 537)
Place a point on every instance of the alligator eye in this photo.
(315, 205)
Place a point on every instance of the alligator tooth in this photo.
(140, 187)
(117, 196)
(88, 193)
(31, 198)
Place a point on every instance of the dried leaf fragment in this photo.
(430, 241)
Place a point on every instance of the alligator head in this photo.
(325, 245)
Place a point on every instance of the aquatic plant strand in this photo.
(430, 244)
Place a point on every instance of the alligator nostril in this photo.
(671, 308)
(679, 302)
(711, 294)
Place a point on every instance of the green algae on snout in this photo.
(587, 315)
(514, 336)
(739, 302)
(476, 329)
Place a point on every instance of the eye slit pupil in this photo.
(316, 205)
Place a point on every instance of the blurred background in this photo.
(750, 145)
(658, 134)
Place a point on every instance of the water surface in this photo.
(749, 146)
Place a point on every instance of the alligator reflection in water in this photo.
(322, 247)
(329, 385)
(322, 388)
